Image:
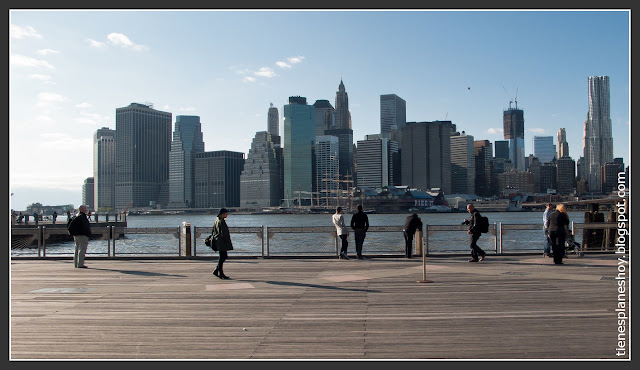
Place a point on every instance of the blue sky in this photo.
(71, 69)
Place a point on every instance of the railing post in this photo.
(268, 241)
(186, 228)
(44, 241)
(109, 237)
(39, 232)
(418, 242)
(495, 225)
(500, 225)
(426, 237)
(262, 239)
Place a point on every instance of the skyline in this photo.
(70, 70)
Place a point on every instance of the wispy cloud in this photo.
(84, 105)
(120, 40)
(40, 77)
(18, 60)
(45, 52)
(49, 100)
(283, 64)
(96, 44)
(494, 131)
(249, 79)
(17, 32)
(536, 130)
(294, 60)
(265, 72)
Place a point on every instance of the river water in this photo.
(311, 243)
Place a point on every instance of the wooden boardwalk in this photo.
(506, 307)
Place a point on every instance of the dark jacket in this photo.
(473, 222)
(558, 222)
(412, 224)
(221, 234)
(81, 225)
(360, 221)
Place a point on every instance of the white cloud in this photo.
(17, 32)
(96, 44)
(249, 79)
(18, 60)
(283, 65)
(118, 39)
(47, 51)
(495, 131)
(294, 60)
(536, 130)
(47, 100)
(84, 105)
(265, 72)
(44, 78)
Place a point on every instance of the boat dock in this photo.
(505, 307)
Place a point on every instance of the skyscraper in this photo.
(104, 167)
(325, 117)
(344, 132)
(597, 141)
(426, 155)
(463, 164)
(502, 149)
(187, 141)
(482, 150)
(327, 165)
(376, 154)
(273, 124)
(217, 179)
(563, 146)
(87, 193)
(393, 111)
(566, 175)
(544, 149)
(299, 138)
(513, 124)
(260, 179)
(143, 142)
(343, 116)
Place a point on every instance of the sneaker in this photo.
(481, 258)
(343, 256)
(472, 260)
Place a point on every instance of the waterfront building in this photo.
(513, 125)
(482, 152)
(609, 176)
(217, 179)
(502, 149)
(597, 140)
(104, 169)
(325, 117)
(535, 169)
(566, 170)
(563, 146)
(463, 164)
(299, 138)
(548, 177)
(143, 142)
(87, 193)
(515, 182)
(376, 161)
(260, 184)
(393, 112)
(544, 149)
(426, 155)
(326, 168)
(187, 141)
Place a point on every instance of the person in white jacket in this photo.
(342, 231)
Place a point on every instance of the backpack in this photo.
(483, 224)
(72, 226)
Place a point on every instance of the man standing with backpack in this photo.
(477, 254)
(80, 229)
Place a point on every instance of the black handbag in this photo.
(210, 242)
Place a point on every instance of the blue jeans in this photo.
(547, 242)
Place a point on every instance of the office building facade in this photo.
(104, 167)
(217, 179)
(327, 168)
(299, 137)
(376, 161)
(260, 184)
(597, 140)
(87, 193)
(187, 141)
(502, 149)
(544, 149)
(463, 164)
(483, 153)
(563, 146)
(513, 125)
(566, 170)
(393, 112)
(325, 117)
(143, 142)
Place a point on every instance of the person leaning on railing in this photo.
(558, 224)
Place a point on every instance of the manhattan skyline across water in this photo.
(52, 115)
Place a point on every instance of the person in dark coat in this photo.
(477, 254)
(223, 241)
(80, 230)
(558, 223)
(360, 225)
(411, 225)
(55, 216)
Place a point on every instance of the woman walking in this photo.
(222, 240)
(558, 223)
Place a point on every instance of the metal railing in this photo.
(290, 241)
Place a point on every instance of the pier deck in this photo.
(506, 307)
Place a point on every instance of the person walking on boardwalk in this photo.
(411, 225)
(223, 241)
(558, 223)
(342, 231)
(477, 254)
(545, 222)
(360, 225)
(55, 216)
(80, 229)
(35, 217)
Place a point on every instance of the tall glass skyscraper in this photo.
(217, 179)
(143, 142)
(513, 124)
(325, 117)
(299, 137)
(393, 111)
(104, 167)
(597, 141)
(326, 154)
(187, 141)
(502, 149)
(273, 124)
(544, 149)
